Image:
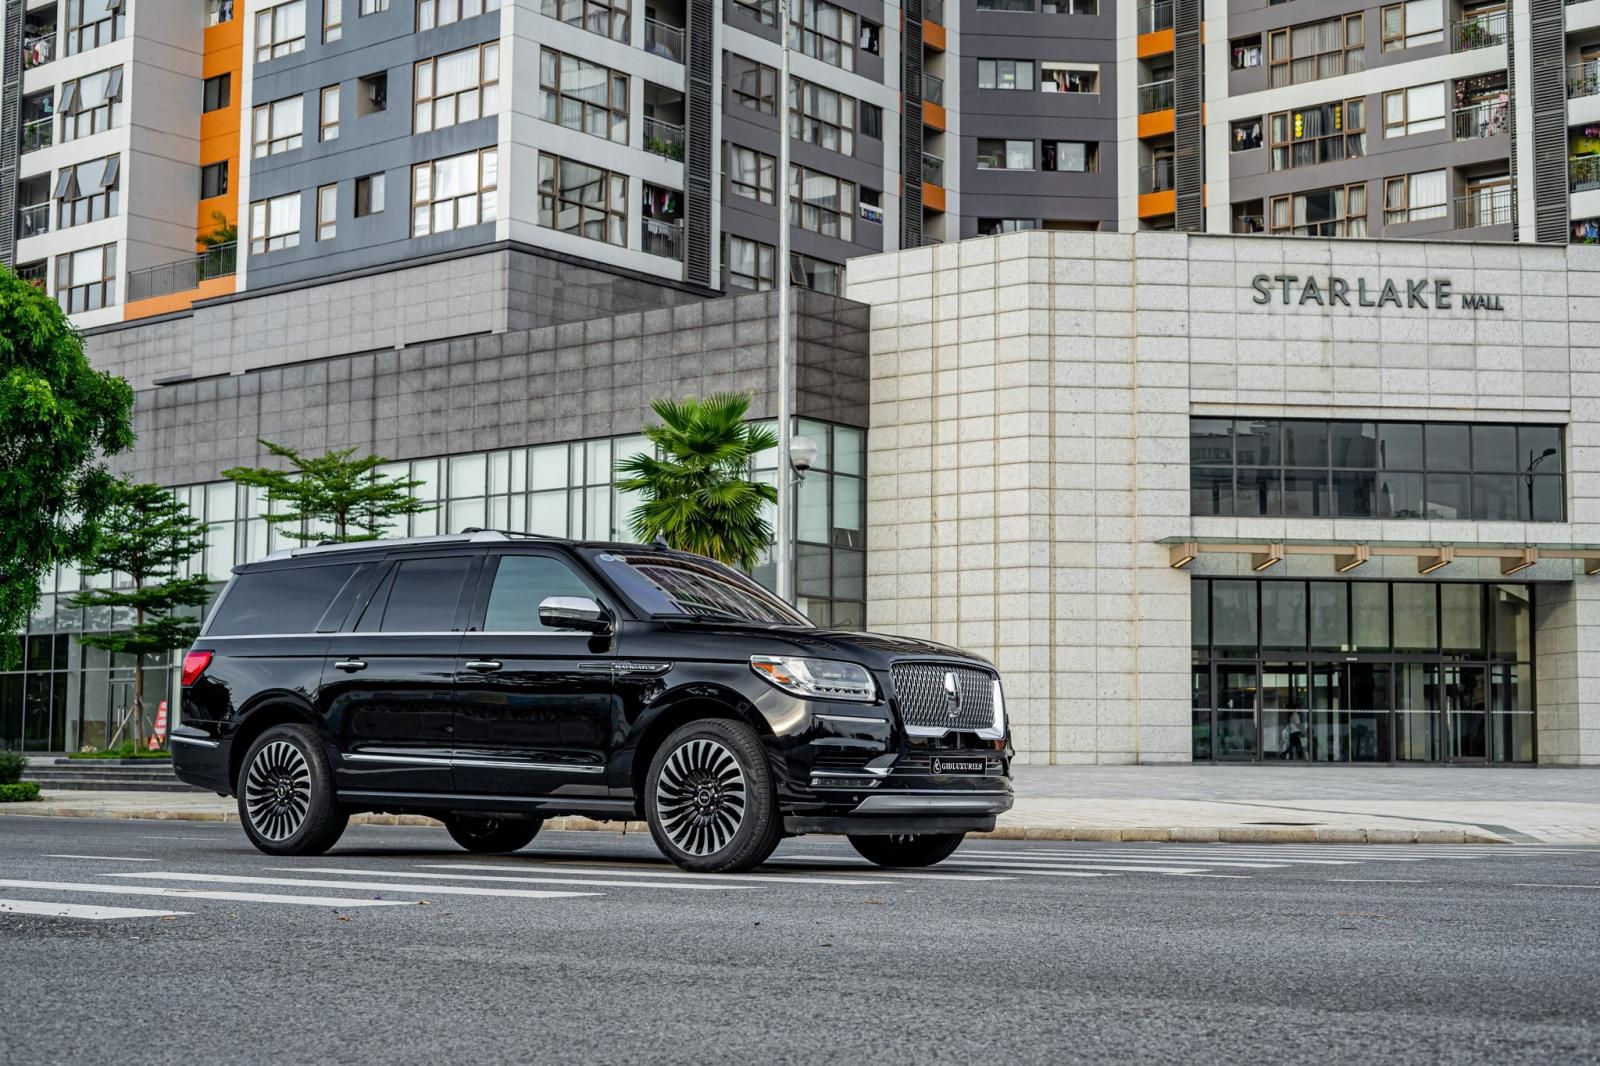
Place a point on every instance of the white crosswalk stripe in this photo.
(674, 874)
(100, 858)
(335, 902)
(1040, 866)
(80, 910)
(375, 886)
(592, 882)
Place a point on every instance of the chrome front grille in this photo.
(926, 701)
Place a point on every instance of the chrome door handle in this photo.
(350, 665)
(483, 666)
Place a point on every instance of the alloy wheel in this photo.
(701, 796)
(278, 790)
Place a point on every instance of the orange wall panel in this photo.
(933, 115)
(933, 197)
(1155, 44)
(1157, 123)
(219, 130)
(933, 35)
(1153, 204)
(177, 301)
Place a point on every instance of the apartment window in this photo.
(1349, 469)
(1419, 109)
(753, 84)
(587, 201)
(871, 116)
(1245, 135)
(764, 10)
(824, 32)
(275, 224)
(327, 212)
(218, 12)
(277, 126)
(1005, 74)
(1416, 197)
(868, 41)
(1326, 133)
(87, 192)
(369, 195)
(582, 96)
(872, 205)
(1006, 5)
(218, 93)
(1340, 211)
(280, 30)
(332, 20)
(608, 18)
(752, 174)
(214, 180)
(822, 117)
(818, 275)
(996, 154)
(989, 227)
(87, 280)
(1316, 50)
(372, 94)
(431, 13)
(822, 203)
(458, 87)
(92, 23)
(1068, 78)
(1413, 24)
(1076, 157)
(372, 7)
(750, 264)
(454, 193)
(91, 105)
(328, 125)
(1070, 7)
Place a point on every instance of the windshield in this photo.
(686, 587)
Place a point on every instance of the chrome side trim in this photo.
(855, 719)
(198, 742)
(492, 764)
(935, 803)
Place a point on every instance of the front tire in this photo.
(921, 849)
(286, 798)
(488, 836)
(709, 798)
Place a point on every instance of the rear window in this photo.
(279, 601)
(422, 596)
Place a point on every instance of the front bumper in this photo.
(920, 811)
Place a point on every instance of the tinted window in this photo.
(423, 595)
(279, 601)
(521, 582)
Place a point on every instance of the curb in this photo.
(1125, 834)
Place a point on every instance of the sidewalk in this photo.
(1234, 804)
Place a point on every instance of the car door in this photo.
(536, 707)
(388, 683)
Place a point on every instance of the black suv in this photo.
(493, 680)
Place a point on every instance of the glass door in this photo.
(1465, 699)
(1238, 691)
(1370, 704)
(1284, 709)
(1330, 720)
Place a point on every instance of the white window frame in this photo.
(327, 212)
(265, 236)
(279, 20)
(479, 203)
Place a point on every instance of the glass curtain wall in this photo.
(1342, 671)
(64, 696)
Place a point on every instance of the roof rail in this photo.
(477, 533)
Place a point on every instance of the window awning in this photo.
(1349, 555)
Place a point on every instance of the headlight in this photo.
(817, 678)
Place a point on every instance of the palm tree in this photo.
(698, 497)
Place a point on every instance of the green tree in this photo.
(698, 497)
(332, 497)
(58, 417)
(146, 536)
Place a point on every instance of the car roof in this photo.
(471, 536)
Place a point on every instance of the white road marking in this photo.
(1100, 856)
(1516, 884)
(1376, 881)
(1200, 853)
(100, 858)
(664, 875)
(376, 886)
(336, 902)
(1034, 867)
(80, 910)
(521, 880)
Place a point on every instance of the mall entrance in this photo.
(1362, 672)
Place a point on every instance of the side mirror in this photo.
(573, 612)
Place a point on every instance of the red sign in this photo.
(160, 732)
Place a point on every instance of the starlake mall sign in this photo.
(1427, 294)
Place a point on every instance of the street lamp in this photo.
(783, 550)
(1528, 474)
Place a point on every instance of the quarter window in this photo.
(275, 224)
(752, 174)
(585, 97)
(458, 87)
(281, 30)
(584, 200)
(822, 117)
(431, 13)
(277, 126)
(453, 193)
(87, 280)
(521, 583)
(280, 601)
(822, 203)
(423, 596)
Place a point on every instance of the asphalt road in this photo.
(398, 948)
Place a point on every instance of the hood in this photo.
(875, 650)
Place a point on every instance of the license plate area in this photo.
(963, 766)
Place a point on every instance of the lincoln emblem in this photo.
(952, 695)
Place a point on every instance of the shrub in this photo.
(19, 792)
(12, 763)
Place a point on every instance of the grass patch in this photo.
(19, 792)
(125, 750)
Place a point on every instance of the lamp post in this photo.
(783, 549)
(1528, 474)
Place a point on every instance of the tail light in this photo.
(194, 664)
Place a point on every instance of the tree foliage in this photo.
(333, 497)
(146, 536)
(58, 418)
(698, 496)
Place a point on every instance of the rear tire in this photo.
(287, 803)
(488, 836)
(709, 798)
(922, 849)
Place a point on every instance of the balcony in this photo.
(1154, 17)
(1155, 96)
(33, 219)
(932, 90)
(1487, 119)
(663, 40)
(38, 49)
(662, 238)
(1480, 31)
(663, 138)
(1491, 206)
(932, 169)
(35, 274)
(1245, 224)
(184, 274)
(1584, 172)
(1583, 79)
(40, 133)
(1158, 176)
(933, 11)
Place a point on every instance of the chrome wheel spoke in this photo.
(701, 797)
(277, 790)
